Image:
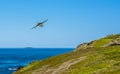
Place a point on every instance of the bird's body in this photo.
(40, 24)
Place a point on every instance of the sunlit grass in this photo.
(99, 60)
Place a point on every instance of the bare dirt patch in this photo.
(61, 68)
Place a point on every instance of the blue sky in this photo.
(70, 22)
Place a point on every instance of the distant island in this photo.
(28, 47)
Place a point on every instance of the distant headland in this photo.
(28, 47)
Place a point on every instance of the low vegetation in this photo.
(97, 59)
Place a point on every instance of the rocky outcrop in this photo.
(19, 68)
(85, 45)
(114, 40)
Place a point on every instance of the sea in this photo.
(12, 58)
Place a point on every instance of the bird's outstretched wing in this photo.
(35, 26)
(44, 21)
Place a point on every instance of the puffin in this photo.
(40, 24)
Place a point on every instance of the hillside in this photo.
(100, 56)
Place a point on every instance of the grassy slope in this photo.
(100, 60)
(101, 42)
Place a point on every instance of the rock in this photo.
(19, 68)
(85, 45)
(114, 42)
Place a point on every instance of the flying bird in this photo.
(40, 24)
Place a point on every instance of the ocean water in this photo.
(12, 58)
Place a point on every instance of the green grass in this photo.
(101, 42)
(101, 60)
